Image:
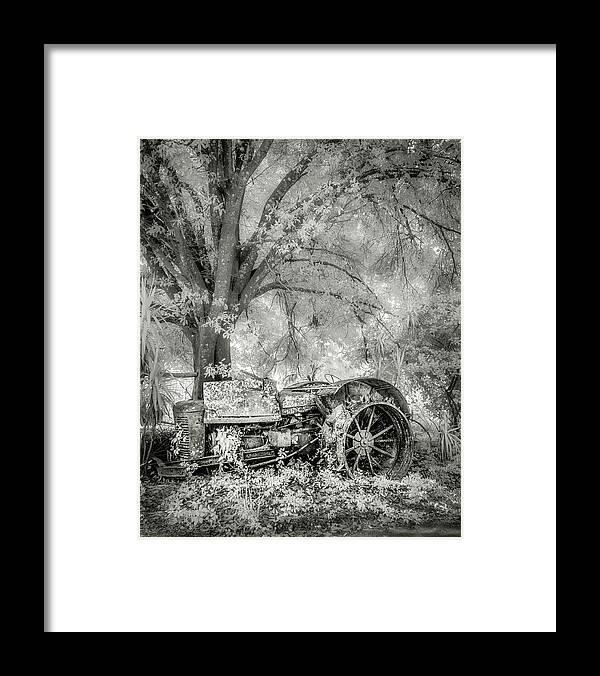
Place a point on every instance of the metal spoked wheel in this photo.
(377, 436)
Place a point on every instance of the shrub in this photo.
(301, 499)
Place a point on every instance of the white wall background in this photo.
(499, 576)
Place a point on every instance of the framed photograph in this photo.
(294, 337)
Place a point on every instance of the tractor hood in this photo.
(240, 401)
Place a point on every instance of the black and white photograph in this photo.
(300, 337)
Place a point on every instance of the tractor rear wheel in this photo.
(376, 438)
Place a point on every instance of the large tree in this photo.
(224, 222)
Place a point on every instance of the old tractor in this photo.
(360, 425)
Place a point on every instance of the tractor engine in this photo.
(246, 421)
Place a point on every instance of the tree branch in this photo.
(430, 220)
(322, 292)
(332, 265)
(179, 184)
(257, 158)
(267, 217)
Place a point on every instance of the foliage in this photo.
(298, 500)
(312, 256)
(155, 396)
(449, 438)
(154, 388)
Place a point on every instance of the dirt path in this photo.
(438, 531)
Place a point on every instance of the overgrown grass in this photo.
(298, 500)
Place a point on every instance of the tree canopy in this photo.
(307, 256)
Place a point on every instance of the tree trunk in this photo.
(209, 349)
(223, 350)
(203, 345)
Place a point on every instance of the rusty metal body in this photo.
(247, 422)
